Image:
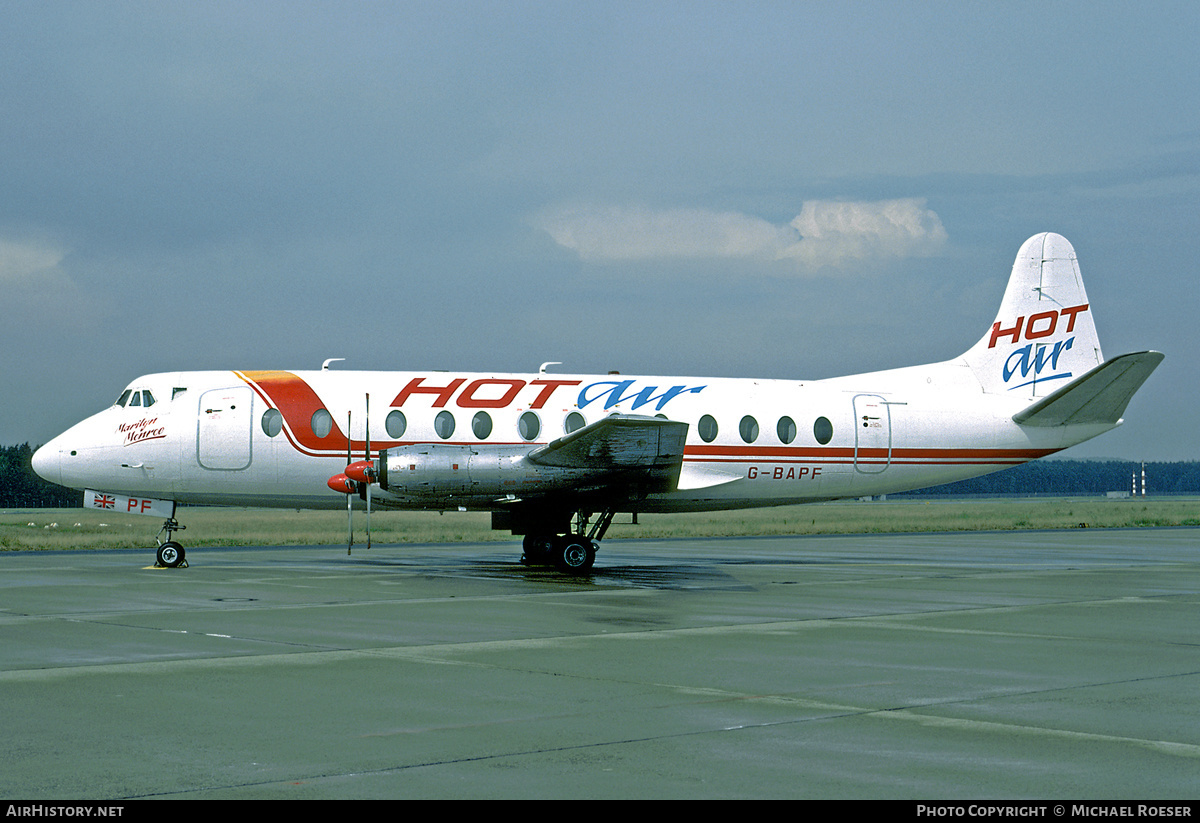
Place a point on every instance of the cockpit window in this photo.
(141, 397)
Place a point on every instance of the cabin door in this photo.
(872, 434)
(223, 434)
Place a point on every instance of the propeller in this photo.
(353, 487)
(368, 482)
(357, 478)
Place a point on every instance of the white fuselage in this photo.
(275, 438)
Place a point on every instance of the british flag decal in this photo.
(133, 505)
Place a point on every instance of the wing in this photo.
(645, 450)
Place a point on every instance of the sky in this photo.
(751, 189)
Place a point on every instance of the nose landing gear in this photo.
(170, 554)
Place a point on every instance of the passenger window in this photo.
(481, 425)
(823, 430)
(395, 424)
(322, 423)
(574, 422)
(707, 428)
(272, 422)
(748, 429)
(443, 424)
(529, 426)
(786, 429)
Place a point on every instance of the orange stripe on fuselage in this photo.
(297, 402)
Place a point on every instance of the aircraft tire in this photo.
(170, 554)
(575, 554)
(539, 550)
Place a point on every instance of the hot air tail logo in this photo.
(1042, 363)
(1039, 357)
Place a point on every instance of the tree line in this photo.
(1076, 477)
(20, 488)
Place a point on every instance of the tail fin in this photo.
(1043, 337)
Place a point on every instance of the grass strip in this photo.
(81, 529)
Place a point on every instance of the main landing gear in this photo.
(170, 554)
(573, 553)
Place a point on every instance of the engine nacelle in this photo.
(461, 471)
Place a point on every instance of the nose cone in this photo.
(47, 462)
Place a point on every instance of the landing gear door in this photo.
(873, 434)
(223, 434)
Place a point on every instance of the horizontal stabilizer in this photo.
(1099, 396)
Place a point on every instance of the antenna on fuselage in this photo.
(325, 365)
(542, 368)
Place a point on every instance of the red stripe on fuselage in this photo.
(907, 456)
(297, 402)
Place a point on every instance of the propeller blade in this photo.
(368, 460)
(357, 478)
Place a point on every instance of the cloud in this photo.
(834, 233)
(639, 233)
(41, 304)
(825, 233)
(26, 261)
(37, 291)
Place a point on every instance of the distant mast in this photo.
(1134, 490)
